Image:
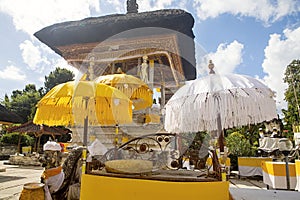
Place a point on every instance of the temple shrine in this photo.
(158, 48)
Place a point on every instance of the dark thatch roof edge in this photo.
(9, 116)
(97, 29)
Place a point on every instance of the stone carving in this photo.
(132, 6)
(144, 70)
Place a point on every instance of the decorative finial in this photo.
(132, 6)
(211, 67)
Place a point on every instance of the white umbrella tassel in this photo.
(199, 112)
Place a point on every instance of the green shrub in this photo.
(238, 145)
(13, 138)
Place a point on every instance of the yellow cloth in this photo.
(51, 172)
(278, 168)
(221, 161)
(252, 161)
(71, 102)
(134, 88)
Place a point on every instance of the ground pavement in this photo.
(12, 179)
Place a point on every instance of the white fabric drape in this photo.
(52, 184)
(239, 99)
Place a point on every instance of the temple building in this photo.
(157, 47)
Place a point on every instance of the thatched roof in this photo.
(8, 117)
(77, 36)
(97, 29)
(30, 127)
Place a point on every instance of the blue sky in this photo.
(257, 38)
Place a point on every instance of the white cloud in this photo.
(32, 15)
(225, 59)
(32, 56)
(281, 50)
(118, 5)
(12, 73)
(54, 63)
(146, 5)
(62, 63)
(264, 10)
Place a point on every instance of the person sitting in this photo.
(53, 175)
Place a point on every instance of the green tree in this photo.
(59, 75)
(6, 102)
(24, 102)
(292, 95)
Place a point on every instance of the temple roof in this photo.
(80, 37)
(97, 29)
(6, 116)
(30, 127)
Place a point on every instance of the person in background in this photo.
(62, 147)
(274, 133)
(261, 133)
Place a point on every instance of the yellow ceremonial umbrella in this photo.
(83, 103)
(134, 88)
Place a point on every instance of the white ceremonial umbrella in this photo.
(218, 102)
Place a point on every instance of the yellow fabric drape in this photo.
(134, 88)
(69, 103)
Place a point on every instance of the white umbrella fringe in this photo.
(243, 106)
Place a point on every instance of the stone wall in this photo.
(7, 150)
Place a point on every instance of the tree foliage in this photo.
(13, 138)
(23, 102)
(238, 145)
(292, 95)
(59, 75)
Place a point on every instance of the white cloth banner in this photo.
(279, 182)
(250, 171)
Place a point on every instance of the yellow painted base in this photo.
(102, 187)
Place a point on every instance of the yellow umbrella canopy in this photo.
(134, 88)
(72, 102)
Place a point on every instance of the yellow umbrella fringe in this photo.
(106, 114)
(132, 87)
(69, 109)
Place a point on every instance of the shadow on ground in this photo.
(9, 178)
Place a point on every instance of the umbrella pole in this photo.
(220, 133)
(85, 130)
(117, 136)
(84, 152)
